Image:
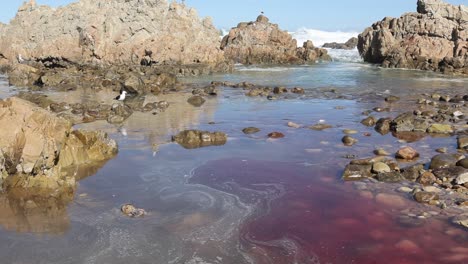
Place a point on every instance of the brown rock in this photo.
(427, 178)
(407, 153)
(190, 139)
(276, 135)
(426, 197)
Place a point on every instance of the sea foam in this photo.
(320, 37)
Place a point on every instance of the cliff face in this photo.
(111, 32)
(261, 42)
(435, 38)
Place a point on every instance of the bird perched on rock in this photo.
(20, 58)
(121, 96)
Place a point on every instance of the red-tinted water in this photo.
(305, 215)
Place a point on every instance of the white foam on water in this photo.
(320, 37)
(345, 55)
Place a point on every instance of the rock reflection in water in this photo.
(40, 211)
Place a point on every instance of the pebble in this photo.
(131, 211)
(293, 125)
(381, 152)
(405, 189)
(350, 131)
(349, 141)
(407, 153)
(276, 135)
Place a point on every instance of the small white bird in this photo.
(20, 58)
(121, 96)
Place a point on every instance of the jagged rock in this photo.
(261, 42)
(348, 45)
(195, 139)
(433, 39)
(111, 32)
(37, 145)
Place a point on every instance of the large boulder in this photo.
(435, 38)
(261, 42)
(111, 32)
(37, 145)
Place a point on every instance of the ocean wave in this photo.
(320, 37)
(345, 55)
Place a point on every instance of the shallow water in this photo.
(253, 200)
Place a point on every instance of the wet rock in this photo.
(448, 173)
(356, 172)
(119, 113)
(404, 189)
(210, 90)
(440, 129)
(131, 211)
(442, 150)
(462, 178)
(461, 220)
(280, 90)
(381, 152)
(412, 172)
(383, 126)
(426, 197)
(276, 135)
(250, 130)
(367, 161)
(427, 178)
(298, 90)
(390, 177)
(320, 127)
(404, 122)
(349, 141)
(196, 101)
(85, 147)
(293, 125)
(36, 146)
(463, 163)
(409, 136)
(369, 121)
(462, 142)
(443, 161)
(390, 200)
(350, 131)
(191, 139)
(407, 153)
(392, 99)
(380, 167)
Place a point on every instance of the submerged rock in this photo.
(250, 130)
(191, 139)
(131, 211)
(196, 101)
(407, 153)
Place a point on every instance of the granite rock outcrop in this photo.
(261, 42)
(114, 32)
(434, 38)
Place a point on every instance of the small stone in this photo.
(407, 153)
(381, 152)
(440, 129)
(404, 189)
(461, 219)
(320, 127)
(297, 90)
(462, 142)
(250, 130)
(392, 99)
(356, 172)
(380, 167)
(463, 163)
(442, 161)
(131, 211)
(427, 178)
(293, 125)
(425, 197)
(383, 126)
(462, 178)
(196, 101)
(369, 121)
(349, 141)
(390, 177)
(276, 135)
(441, 150)
(350, 131)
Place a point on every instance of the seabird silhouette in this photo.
(121, 96)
